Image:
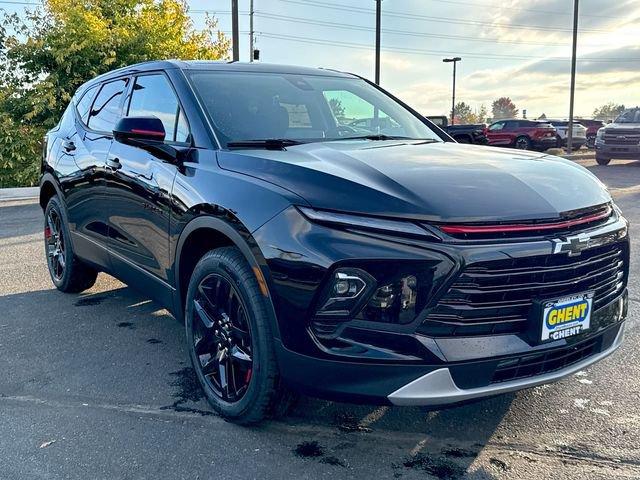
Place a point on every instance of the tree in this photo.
(503, 107)
(462, 112)
(480, 115)
(49, 52)
(337, 108)
(608, 111)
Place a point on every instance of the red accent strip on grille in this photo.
(458, 229)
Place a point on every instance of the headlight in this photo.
(600, 133)
(397, 227)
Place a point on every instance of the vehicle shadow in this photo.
(117, 346)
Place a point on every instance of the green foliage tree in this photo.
(46, 54)
(608, 111)
(462, 112)
(503, 107)
(337, 108)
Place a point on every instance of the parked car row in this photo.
(525, 134)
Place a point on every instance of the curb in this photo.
(24, 193)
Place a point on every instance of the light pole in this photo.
(573, 76)
(378, 21)
(235, 30)
(453, 60)
(251, 54)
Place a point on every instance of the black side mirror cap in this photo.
(139, 129)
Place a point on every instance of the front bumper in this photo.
(439, 387)
(630, 152)
(371, 362)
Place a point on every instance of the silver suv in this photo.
(620, 139)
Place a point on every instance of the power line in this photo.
(438, 53)
(520, 9)
(428, 18)
(345, 26)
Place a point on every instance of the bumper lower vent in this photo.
(545, 362)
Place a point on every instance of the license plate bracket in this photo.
(562, 317)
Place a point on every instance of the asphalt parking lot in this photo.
(98, 385)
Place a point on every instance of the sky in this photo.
(515, 48)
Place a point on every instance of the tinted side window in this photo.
(106, 109)
(84, 104)
(153, 96)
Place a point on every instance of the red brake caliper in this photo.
(248, 376)
(47, 232)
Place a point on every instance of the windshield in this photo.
(630, 116)
(304, 108)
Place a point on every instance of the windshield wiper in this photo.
(381, 136)
(268, 143)
(376, 136)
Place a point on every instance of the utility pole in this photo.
(573, 76)
(378, 21)
(235, 30)
(251, 47)
(453, 60)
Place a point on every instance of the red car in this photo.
(522, 134)
(592, 129)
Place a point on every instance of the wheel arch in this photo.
(204, 233)
(48, 188)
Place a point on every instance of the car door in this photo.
(84, 152)
(497, 135)
(138, 187)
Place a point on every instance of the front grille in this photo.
(545, 362)
(496, 297)
(622, 137)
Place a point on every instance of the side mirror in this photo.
(139, 129)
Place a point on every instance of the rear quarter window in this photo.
(83, 105)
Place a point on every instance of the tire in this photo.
(602, 160)
(68, 273)
(223, 283)
(522, 143)
(559, 142)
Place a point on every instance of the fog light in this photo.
(345, 292)
(394, 302)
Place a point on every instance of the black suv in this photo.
(316, 234)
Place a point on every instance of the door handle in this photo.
(68, 146)
(114, 163)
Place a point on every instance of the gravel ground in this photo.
(98, 385)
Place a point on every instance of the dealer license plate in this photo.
(566, 316)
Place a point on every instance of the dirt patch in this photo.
(308, 450)
(435, 466)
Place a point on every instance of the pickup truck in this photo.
(620, 139)
(464, 133)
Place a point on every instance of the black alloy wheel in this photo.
(222, 338)
(230, 339)
(55, 243)
(523, 143)
(68, 273)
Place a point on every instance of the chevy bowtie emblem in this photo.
(572, 245)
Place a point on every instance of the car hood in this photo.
(440, 182)
(623, 126)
